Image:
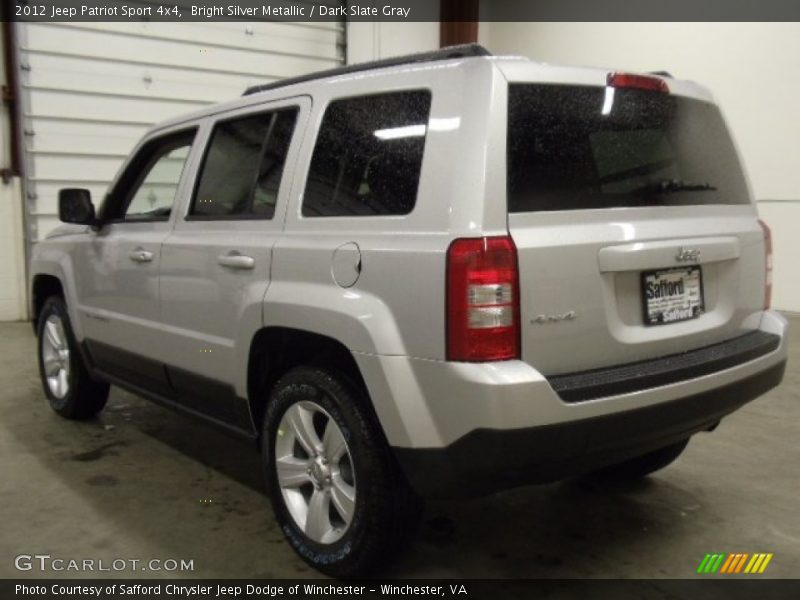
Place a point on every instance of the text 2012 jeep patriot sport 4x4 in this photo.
(442, 275)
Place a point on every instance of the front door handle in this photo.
(234, 260)
(141, 255)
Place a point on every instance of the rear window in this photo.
(572, 147)
(368, 156)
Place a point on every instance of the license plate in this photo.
(672, 295)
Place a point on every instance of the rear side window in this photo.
(242, 169)
(575, 147)
(368, 156)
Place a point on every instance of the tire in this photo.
(69, 388)
(359, 510)
(642, 466)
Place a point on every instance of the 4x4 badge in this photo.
(687, 255)
(567, 316)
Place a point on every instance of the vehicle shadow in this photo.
(146, 471)
(231, 456)
(579, 527)
(574, 528)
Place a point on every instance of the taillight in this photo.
(767, 264)
(482, 300)
(637, 82)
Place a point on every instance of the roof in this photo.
(450, 52)
(514, 68)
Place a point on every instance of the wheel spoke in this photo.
(62, 383)
(51, 366)
(343, 496)
(292, 471)
(52, 335)
(300, 420)
(333, 441)
(62, 337)
(318, 522)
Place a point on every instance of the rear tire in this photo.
(339, 499)
(69, 387)
(642, 466)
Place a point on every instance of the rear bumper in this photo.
(486, 426)
(601, 383)
(489, 460)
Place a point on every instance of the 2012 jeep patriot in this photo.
(441, 275)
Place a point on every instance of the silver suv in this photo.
(441, 275)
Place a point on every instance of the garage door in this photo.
(90, 90)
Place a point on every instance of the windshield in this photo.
(574, 147)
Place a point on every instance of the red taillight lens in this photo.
(637, 82)
(482, 300)
(767, 264)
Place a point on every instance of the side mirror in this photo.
(75, 206)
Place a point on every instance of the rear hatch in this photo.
(633, 221)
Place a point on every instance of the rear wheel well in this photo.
(43, 287)
(274, 351)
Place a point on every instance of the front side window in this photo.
(368, 156)
(148, 187)
(243, 166)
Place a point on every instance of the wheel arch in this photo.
(43, 285)
(274, 351)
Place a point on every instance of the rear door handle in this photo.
(141, 255)
(234, 260)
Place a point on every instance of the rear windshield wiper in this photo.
(669, 186)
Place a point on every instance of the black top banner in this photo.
(400, 10)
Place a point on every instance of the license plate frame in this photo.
(684, 306)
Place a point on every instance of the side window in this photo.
(270, 171)
(146, 191)
(368, 156)
(243, 166)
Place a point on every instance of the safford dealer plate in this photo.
(672, 295)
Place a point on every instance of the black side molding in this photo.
(632, 377)
(212, 401)
(147, 373)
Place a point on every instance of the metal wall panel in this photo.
(90, 90)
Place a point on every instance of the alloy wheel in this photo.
(315, 472)
(55, 356)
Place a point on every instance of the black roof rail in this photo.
(462, 51)
(662, 74)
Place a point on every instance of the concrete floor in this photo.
(142, 482)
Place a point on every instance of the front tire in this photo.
(69, 388)
(338, 496)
